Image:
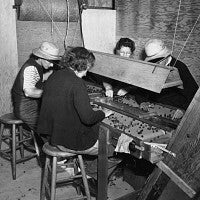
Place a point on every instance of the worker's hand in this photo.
(47, 74)
(108, 89)
(109, 93)
(107, 112)
(146, 106)
(122, 92)
(178, 114)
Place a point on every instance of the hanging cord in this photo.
(66, 35)
(176, 26)
(75, 32)
(187, 39)
(52, 20)
(51, 17)
(80, 8)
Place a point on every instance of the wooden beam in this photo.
(154, 186)
(103, 163)
(185, 143)
(176, 179)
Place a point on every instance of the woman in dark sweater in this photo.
(66, 114)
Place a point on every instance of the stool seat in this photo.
(50, 180)
(10, 118)
(54, 151)
(14, 139)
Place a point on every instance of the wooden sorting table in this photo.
(128, 119)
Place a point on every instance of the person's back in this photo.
(63, 94)
(66, 114)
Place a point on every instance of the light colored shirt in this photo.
(31, 77)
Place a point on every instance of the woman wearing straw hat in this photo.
(27, 89)
(156, 52)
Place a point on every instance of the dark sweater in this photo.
(66, 114)
(172, 96)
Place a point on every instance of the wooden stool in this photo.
(15, 139)
(50, 170)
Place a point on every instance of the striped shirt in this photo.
(31, 77)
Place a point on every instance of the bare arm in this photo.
(33, 92)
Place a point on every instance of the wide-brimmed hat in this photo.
(47, 51)
(156, 48)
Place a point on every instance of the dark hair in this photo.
(126, 42)
(34, 56)
(78, 59)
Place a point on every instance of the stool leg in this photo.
(78, 188)
(44, 181)
(20, 143)
(13, 160)
(53, 179)
(37, 150)
(85, 182)
(1, 134)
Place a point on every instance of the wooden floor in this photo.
(27, 184)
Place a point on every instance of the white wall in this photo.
(8, 53)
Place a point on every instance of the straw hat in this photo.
(155, 48)
(47, 51)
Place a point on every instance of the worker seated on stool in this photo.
(28, 86)
(66, 114)
(157, 52)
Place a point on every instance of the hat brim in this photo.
(41, 54)
(164, 53)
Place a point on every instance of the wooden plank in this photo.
(185, 144)
(104, 133)
(184, 169)
(130, 196)
(154, 185)
(176, 179)
(134, 112)
(103, 163)
(146, 75)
